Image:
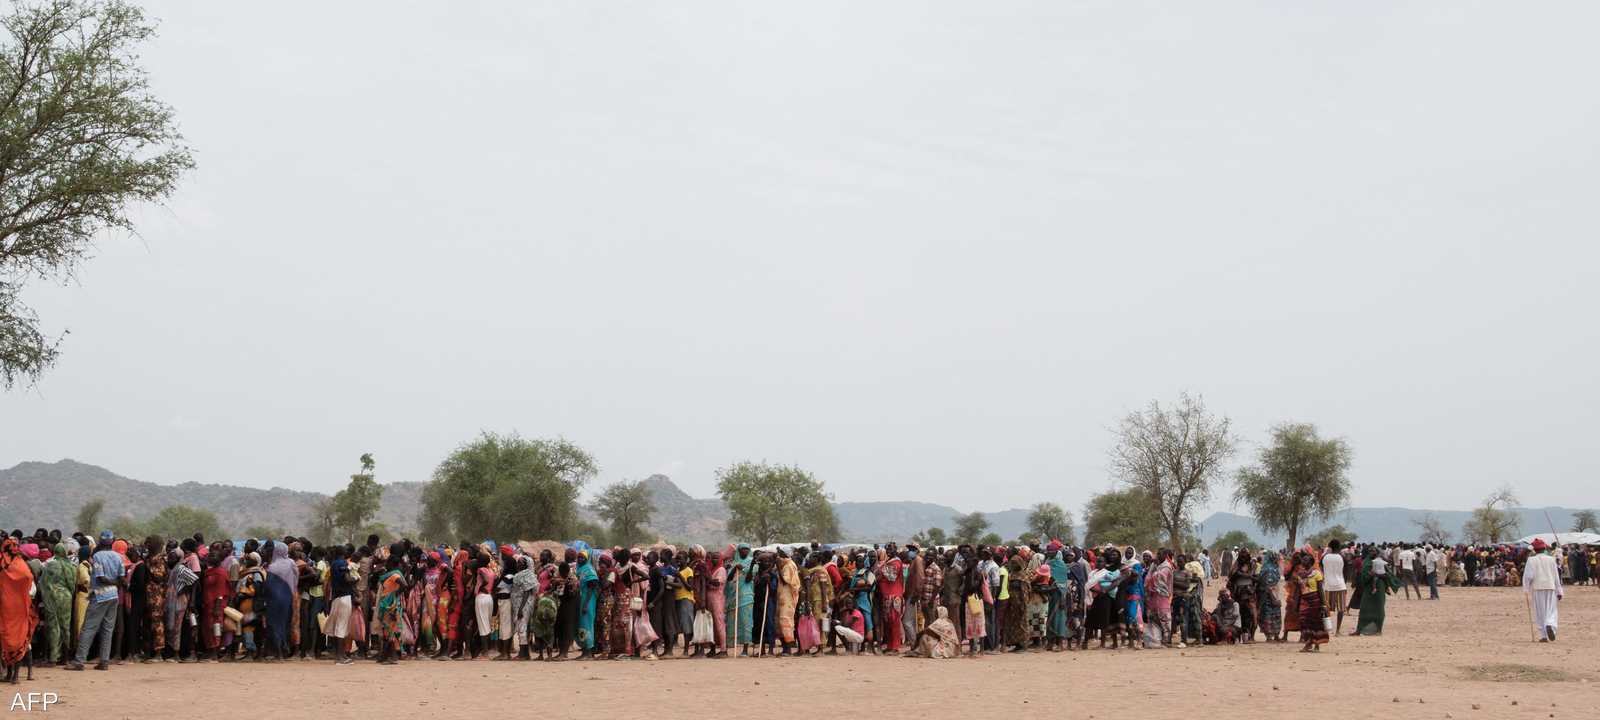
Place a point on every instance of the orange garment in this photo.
(18, 618)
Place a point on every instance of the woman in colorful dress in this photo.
(717, 601)
(1269, 605)
(637, 578)
(1015, 619)
(975, 594)
(387, 611)
(216, 593)
(1308, 581)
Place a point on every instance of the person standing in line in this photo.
(1432, 562)
(1541, 579)
(1333, 582)
(914, 570)
(101, 618)
(1407, 559)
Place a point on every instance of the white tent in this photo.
(1572, 538)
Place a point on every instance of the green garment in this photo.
(56, 585)
(1374, 594)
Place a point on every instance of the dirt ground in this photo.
(1468, 655)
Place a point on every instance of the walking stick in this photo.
(1532, 623)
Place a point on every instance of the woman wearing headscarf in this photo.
(387, 608)
(1015, 617)
(216, 592)
(18, 618)
(605, 600)
(975, 598)
(938, 640)
(429, 636)
(637, 578)
(280, 591)
(1059, 604)
(766, 603)
(819, 598)
(1308, 585)
(615, 615)
(155, 564)
(564, 591)
(176, 598)
(788, 577)
(1269, 608)
(1373, 586)
(55, 588)
(1242, 583)
(741, 597)
(588, 596)
(717, 599)
(1133, 597)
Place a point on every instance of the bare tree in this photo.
(1432, 531)
(1175, 455)
(1494, 521)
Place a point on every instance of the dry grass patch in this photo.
(1513, 672)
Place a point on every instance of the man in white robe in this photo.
(1541, 579)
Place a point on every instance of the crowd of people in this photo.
(65, 598)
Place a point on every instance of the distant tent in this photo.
(1572, 538)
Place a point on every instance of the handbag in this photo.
(975, 605)
(806, 633)
(636, 603)
(704, 630)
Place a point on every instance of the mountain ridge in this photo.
(679, 517)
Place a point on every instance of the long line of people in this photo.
(187, 600)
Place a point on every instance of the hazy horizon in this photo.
(926, 250)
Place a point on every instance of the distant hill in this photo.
(1388, 523)
(36, 494)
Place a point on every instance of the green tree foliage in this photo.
(991, 539)
(1232, 539)
(180, 521)
(1175, 456)
(1122, 517)
(266, 531)
(506, 487)
(88, 517)
(1299, 477)
(627, 507)
(1048, 521)
(931, 537)
(82, 140)
(1585, 521)
(1320, 538)
(1493, 521)
(1431, 530)
(776, 503)
(969, 528)
(358, 502)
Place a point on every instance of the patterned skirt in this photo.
(1312, 631)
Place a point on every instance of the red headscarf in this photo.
(18, 618)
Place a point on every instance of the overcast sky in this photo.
(926, 250)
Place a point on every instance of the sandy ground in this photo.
(1466, 656)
